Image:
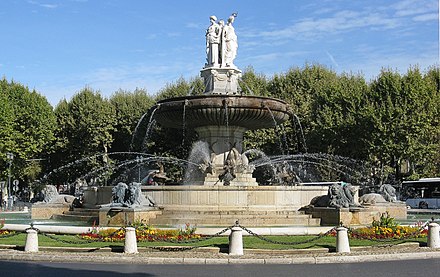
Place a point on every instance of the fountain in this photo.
(221, 115)
(219, 187)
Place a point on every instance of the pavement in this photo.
(214, 255)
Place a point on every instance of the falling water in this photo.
(247, 87)
(316, 166)
(301, 132)
(148, 126)
(148, 131)
(199, 155)
(225, 102)
(184, 122)
(136, 129)
(280, 142)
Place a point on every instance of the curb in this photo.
(131, 259)
(250, 257)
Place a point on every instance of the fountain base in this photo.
(122, 216)
(357, 215)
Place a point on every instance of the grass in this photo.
(222, 242)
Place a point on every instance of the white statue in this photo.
(212, 42)
(229, 39)
(221, 43)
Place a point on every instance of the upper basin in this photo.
(250, 112)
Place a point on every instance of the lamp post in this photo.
(10, 158)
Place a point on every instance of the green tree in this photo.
(337, 118)
(181, 88)
(402, 114)
(129, 108)
(27, 125)
(85, 127)
(253, 83)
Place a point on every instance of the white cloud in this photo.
(343, 21)
(426, 17)
(332, 59)
(193, 25)
(151, 36)
(44, 5)
(414, 7)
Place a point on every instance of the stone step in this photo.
(233, 212)
(251, 222)
(65, 217)
(233, 216)
(83, 213)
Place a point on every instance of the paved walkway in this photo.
(213, 255)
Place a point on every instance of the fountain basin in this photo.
(249, 112)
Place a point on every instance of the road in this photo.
(430, 267)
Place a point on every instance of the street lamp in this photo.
(10, 158)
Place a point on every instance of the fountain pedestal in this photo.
(219, 80)
(226, 145)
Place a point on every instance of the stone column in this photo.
(342, 244)
(31, 241)
(130, 246)
(236, 241)
(433, 235)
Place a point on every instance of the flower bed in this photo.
(143, 233)
(387, 228)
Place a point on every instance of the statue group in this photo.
(221, 43)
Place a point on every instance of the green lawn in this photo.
(222, 242)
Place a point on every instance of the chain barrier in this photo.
(82, 240)
(218, 234)
(194, 240)
(287, 243)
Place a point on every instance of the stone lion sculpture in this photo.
(338, 196)
(130, 196)
(387, 193)
(371, 199)
(51, 196)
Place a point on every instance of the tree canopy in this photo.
(392, 119)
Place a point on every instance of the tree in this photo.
(85, 127)
(130, 108)
(403, 119)
(27, 125)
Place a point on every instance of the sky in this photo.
(59, 47)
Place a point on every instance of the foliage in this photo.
(385, 220)
(27, 124)
(85, 126)
(144, 233)
(392, 118)
(129, 108)
(387, 228)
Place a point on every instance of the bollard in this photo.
(236, 241)
(130, 246)
(433, 235)
(31, 241)
(342, 244)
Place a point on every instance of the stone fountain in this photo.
(220, 188)
(221, 115)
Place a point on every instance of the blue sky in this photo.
(58, 47)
